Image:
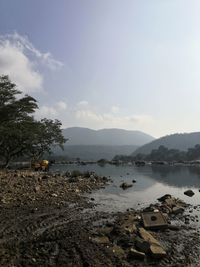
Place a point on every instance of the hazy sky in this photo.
(107, 63)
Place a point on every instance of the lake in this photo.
(152, 182)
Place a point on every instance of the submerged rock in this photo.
(125, 186)
(189, 193)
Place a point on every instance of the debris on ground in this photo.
(47, 220)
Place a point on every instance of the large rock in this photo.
(155, 247)
(189, 193)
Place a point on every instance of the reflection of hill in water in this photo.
(179, 176)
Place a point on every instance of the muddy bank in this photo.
(46, 220)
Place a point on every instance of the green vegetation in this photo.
(164, 154)
(20, 133)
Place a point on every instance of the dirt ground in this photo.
(45, 220)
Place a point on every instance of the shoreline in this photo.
(46, 220)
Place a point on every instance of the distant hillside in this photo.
(88, 144)
(111, 137)
(93, 152)
(177, 141)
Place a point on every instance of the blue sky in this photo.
(106, 63)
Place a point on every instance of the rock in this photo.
(37, 188)
(100, 240)
(157, 251)
(54, 195)
(105, 230)
(142, 245)
(171, 202)
(44, 177)
(177, 210)
(134, 181)
(133, 253)
(125, 186)
(129, 227)
(155, 247)
(189, 193)
(163, 198)
(148, 237)
(173, 227)
(118, 251)
(77, 190)
(187, 221)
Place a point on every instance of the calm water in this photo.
(152, 182)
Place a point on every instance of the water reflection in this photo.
(152, 182)
(178, 176)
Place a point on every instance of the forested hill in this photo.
(174, 141)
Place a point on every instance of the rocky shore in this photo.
(47, 220)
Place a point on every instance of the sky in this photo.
(131, 64)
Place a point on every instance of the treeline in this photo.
(164, 154)
(21, 135)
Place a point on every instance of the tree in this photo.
(20, 133)
(46, 134)
(13, 108)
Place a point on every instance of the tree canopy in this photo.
(20, 133)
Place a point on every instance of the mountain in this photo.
(178, 141)
(88, 144)
(110, 137)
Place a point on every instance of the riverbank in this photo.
(47, 220)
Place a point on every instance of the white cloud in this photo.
(90, 118)
(83, 103)
(87, 116)
(61, 105)
(114, 109)
(53, 111)
(46, 111)
(20, 60)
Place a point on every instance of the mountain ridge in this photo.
(181, 141)
(109, 136)
(89, 144)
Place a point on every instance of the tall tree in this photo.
(20, 133)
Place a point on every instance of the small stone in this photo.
(134, 181)
(163, 198)
(101, 240)
(177, 210)
(37, 188)
(118, 251)
(142, 245)
(157, 251)
(125, 186)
